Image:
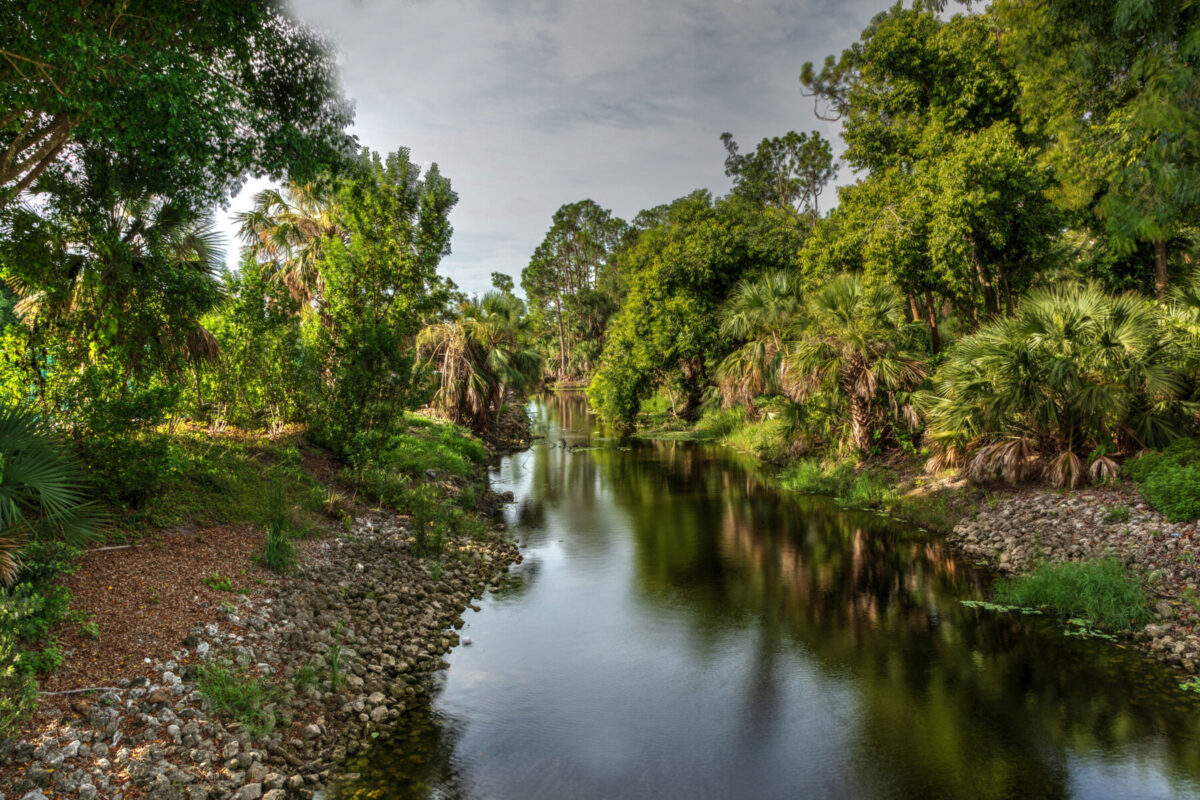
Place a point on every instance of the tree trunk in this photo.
(694, 376)
(914, 314)
(562, 340)
(935, 338)
(1160, 269)
(860, 422)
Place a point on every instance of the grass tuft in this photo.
(1101, 591)
(248, 699)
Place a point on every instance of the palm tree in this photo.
(855, 341)
(481, 358)
(42, 491)
(287, 228)
(138, 274)
(1077, 371)
(763, 314)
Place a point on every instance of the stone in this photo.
(251, 791)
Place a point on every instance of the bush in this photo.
(1170, 479)
(130, 469)
(1102, 591)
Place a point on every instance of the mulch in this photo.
(145, 599)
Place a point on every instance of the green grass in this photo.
(240, 696)
(1102, 591)
(216, 480)
(279, 550)
(1117, 514)
(1170, 479)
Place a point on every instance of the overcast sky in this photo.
(530, 104)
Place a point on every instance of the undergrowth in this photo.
(1102, 591)
(1170, 479)
(249, 699)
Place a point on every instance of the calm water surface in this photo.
(680, 630)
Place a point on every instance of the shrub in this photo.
(1102, 591)
(813, 476)
(1170, 479)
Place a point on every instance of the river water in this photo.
(678, 629)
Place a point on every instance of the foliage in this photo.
(481, 358)
(678, 272)
(856, 343)
(240, 696)
(234, 86)
(573, 284)
(279, 549)
(1101, 591)
(43, 491)
(1170, 479)
(1075, 370)
(787, 172)
(379, 281)
(1113, 86)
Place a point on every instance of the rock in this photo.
(251, 791)
(275, 794)
(1163, 609)
(159, 696)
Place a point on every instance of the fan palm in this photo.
(855, 342)
(287, 228)
(480, 358)
(42, 491)
(1074, 370)
(137, 274)
(764, 315)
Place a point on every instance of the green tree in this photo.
(763, 314)
(678, 272)
(952, 201)
(856, 343)
(183, 98)
(788, 171)
(482, 359)
(381, 283)
(1077, 373)
(1113, 85)
(572, 283)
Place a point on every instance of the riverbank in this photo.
(1010, 530)
(222, 679)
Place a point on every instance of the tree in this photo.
(481, 358)
(572, 283)
(1113, 85)
(952, 202)
(286, 228)
(381, 283)
(678, 272)
(763, 314)
(855, 341)
(111, 288)
(184, 98)
(788, 171)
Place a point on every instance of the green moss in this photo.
(1102, 591)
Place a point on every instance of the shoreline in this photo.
(363, 617)
(1014, 529)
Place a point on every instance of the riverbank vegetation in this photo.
(1002, 290)
(147, 388)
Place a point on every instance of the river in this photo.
(679, 629)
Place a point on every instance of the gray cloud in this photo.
(529, 104)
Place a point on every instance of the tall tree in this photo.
(952, 199)
(185, 97)
(788, 171)
(572, 281)
(1113, 85)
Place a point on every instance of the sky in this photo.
(529, 104)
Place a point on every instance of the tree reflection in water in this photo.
(947, 701)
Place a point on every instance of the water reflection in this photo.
(683, 631)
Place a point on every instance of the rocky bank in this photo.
(1015, 532)
(348, 642)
